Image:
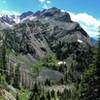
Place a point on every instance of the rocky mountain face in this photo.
(35, 35)
(53, 16)
(46, 29)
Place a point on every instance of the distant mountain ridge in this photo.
(54, 12)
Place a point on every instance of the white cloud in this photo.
(42, 1)
(45, 3)
(63, 10)
(89, 23)
(7, 12)
(45, 6)
(3, 1)
(48, 2)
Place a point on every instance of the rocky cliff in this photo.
(49, 31)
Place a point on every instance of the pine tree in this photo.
(17, 76)
(47, 82)
(42, 97)
(3, 52)
(17, 97)
(36, 92)
(97, 72)
(90, 85)
(52, 93)
(48, 96)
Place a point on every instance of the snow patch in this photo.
(29, 18)
(61, 62)
(80, 41)
(16, 19)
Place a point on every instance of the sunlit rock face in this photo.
(49, 74)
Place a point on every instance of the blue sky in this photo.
(86, 12)
(89, 6)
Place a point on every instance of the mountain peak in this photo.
(53, 10)
(25, 14)
(54, 13)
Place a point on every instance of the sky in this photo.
(86, 12)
